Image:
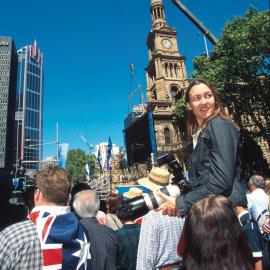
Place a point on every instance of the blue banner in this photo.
(109, 152)
(63, 150)
(152, 133)
(99, 160)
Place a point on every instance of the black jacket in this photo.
(103, 244)
(214, 166)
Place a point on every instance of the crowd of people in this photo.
(214, 225)
(52, 235)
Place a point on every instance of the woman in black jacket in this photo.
(214, 165)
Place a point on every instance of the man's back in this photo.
(259, 197)
(63, 239)
(256, 185)
(128, 241)
(158, 241)
(103, 244)
(20, 247)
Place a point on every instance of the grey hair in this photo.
(257, 181)
(86, 203)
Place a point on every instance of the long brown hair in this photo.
(192, 124)
(214, 238)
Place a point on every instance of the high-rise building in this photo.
(28, 150)
(166, 79)
(8, 79)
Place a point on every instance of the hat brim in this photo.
(130, 195)
(148, 184)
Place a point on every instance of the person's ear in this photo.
(188, 106)
(38, 196)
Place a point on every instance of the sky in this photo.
(88, 46)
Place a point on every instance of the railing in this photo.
(102, 186)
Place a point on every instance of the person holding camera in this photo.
(214, 165)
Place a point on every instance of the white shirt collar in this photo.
(195, 137)
(55, 210)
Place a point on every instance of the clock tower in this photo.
(166, 79)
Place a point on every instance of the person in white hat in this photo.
(157, 179)
(133, 192)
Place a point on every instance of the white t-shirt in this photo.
(258, 202)
(195, 137)
(259, 197)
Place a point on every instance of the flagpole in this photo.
(57, 144)
(109, 152)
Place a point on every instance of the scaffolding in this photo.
(102, 186)
(137, 89)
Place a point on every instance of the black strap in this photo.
(153, 200)
(260, 215)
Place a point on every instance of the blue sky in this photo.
(88, 46)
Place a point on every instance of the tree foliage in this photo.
(93, 164)
(180, 112)
(239, 68)
(76, 161)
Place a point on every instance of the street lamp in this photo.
(41, 143)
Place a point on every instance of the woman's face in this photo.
(201, 102)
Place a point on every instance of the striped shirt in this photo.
(158, 241)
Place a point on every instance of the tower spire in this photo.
(157, 14)
(34, 48)
(35, 52)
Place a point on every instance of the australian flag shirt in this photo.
(64, 242)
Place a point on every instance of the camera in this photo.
(179, 177)
(179, 185)
(22, 190)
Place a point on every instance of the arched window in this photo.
(154, 93)
(167, 136)
(174, 91)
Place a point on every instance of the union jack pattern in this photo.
(64, 242)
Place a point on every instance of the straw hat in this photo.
(158, 178)
(133, 192)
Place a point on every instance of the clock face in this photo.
(166, 43)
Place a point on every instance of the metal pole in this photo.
(206, 48)
(57, 145)
(205, 31)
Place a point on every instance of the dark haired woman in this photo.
(214, 238)
(128, 237)
(214, 165)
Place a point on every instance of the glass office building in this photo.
(8, 77)
(28, 116)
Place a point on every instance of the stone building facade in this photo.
(166, 78)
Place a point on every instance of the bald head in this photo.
(256, 181)
(86, 203)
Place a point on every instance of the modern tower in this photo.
(8, 79)
(28, 137)
(166, 78)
